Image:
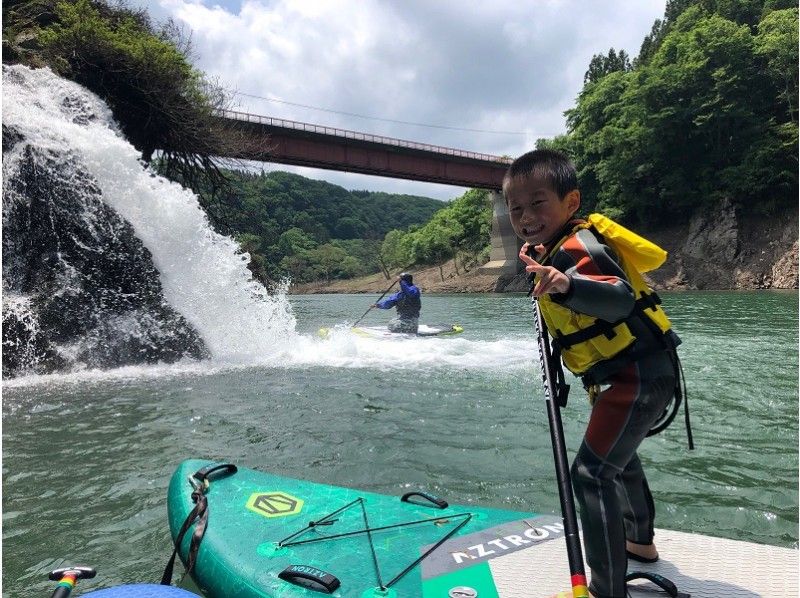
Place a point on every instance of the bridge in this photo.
(303, 144)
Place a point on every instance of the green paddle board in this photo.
(260, 539)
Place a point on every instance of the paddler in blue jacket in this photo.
(408, 303)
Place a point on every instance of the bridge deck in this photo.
(304, 144)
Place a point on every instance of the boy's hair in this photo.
(553, 165)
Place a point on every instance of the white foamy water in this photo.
(513, 356)
(203, 276)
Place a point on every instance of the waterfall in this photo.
(104, 262)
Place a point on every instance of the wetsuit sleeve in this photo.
(598, 285)
(390, 301)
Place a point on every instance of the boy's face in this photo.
(537, 212)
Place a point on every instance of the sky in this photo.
(489, 77)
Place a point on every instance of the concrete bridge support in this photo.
(504, 258)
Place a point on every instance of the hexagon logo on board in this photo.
(274, 503)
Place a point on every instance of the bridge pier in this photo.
(504, 255)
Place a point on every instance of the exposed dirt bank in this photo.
(718, 251)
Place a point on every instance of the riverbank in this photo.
(717, 250)
(430, 280)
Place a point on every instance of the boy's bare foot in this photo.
(645, 552)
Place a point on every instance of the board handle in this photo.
(439, 502)
(204, 473)
(310, 577)
(662, 582)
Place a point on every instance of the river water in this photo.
(87, 456)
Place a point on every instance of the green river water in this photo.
(87, 456)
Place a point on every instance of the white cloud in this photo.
(507, 65)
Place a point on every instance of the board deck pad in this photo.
(141, 590)
(382, 332)
(422, 330)
(492, 553)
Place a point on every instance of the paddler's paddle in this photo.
(556, 397)
(67, 578)
(378, 299)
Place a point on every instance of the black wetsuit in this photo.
(610, 485)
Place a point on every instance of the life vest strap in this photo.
(563, 342)
(602, 327)
(649, 300)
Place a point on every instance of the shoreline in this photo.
(429, 282)
(429, 279)
(712, 253)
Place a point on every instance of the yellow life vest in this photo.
(585, 340)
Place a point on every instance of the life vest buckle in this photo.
(649, 301)
(606, 328)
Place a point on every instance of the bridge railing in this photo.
(292, 124)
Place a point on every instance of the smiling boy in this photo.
(610, 330)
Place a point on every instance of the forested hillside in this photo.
(308, 229)
(706, 112)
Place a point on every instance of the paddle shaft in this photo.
(574, 553)
(378, 299)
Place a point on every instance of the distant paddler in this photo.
(408, 302)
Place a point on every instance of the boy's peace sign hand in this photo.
(550, 279)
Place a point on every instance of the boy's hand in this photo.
(551, 280)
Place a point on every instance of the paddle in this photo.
(370, 307)
(67, 578)
(555, 399)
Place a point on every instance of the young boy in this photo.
(602, 322)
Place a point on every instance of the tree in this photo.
(776, 42)
(159, 100)
(651, 43)
(700, 110)
(365, 252)
(295, 241)
(350, 227)
(601, 65)
(395, 254)
(695, 120)
(433, 244)
(331, 262)
(595, 139)
(470, 219)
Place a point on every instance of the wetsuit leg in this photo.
(607, 467)
(638, 507)
(406, 325)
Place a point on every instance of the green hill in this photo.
(310, 229)
(707, 112)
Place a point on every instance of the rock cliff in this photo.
(720, 250)
(79, 288)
